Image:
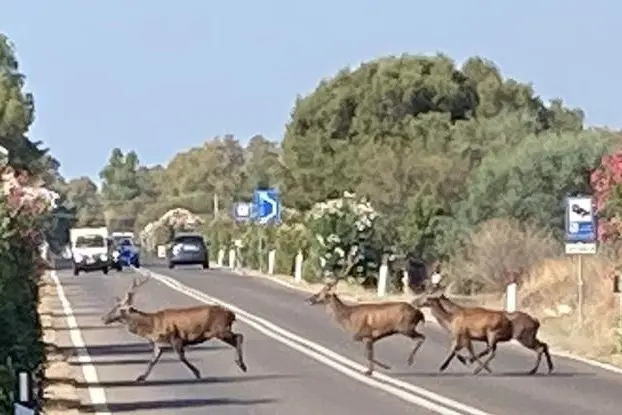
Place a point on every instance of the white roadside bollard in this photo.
(24, 387)
(405, 282)
(298, 268)
(435, 278)
(221, 257)
(383, 274)
(271, 261)
(232, 258)
(510, 297)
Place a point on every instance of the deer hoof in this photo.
(141, 378)
(369, 372)
(533, 371)
(242, 366)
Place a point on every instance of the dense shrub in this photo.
(22, 215)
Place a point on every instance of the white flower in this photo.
(333, 239)
(340, 252)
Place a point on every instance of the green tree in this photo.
(17, 114)
(408, 132)
(262, 164)
(83, 196)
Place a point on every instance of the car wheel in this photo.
(118, 267)
(76, 271)
(137, 264)
(171, 265)
(105, 270)
(206, 265)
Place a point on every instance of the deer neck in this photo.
(441, 314)
(338, 309)
(449, 305)
(138, 322)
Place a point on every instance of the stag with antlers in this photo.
(176, 327)
(371, 322)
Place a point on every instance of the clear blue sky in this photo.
(161, 76)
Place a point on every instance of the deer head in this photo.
(122, 305)
(323, 295)
(431, 294)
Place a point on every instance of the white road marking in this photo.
(96, 393)
(403, 390)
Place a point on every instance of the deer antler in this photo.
(349, 265)
(129, 295)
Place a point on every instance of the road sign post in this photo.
(581, 238)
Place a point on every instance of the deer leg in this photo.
(369, 348)
(531, 342)
(156, 354)
(453, 351)
(235, 340)
(419, 339)
(484, 365)
(181, 353)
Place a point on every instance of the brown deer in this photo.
(371, 322)
(176, 327)
(467, 325)
(524, 330)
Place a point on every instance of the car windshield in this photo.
(190, 240)
(90, 241)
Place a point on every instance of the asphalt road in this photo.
(286, 374)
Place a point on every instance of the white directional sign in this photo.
(242, 211)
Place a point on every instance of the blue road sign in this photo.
(581, 220)
(267, 206)
(242, 211)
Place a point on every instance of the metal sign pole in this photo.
(581, 239)
(580, 294)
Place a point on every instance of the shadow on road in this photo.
(187, 381)
(493, 375)
(59, 314)
(124, 362)
(133, 348)
(85, 328)
(117, 407)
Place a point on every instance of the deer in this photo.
(176, 327)
(524, 330)
(370, 322)
(469, 324)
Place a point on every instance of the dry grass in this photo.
(495, 247)
(548, 285)
(553, 283)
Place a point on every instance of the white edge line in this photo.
(96, 393)
(403, 390)
(515, 345)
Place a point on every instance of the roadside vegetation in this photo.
(407, 153)
(27, 206)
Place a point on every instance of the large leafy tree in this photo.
(408, 132)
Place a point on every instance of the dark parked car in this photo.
(187, 249)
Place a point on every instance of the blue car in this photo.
(126, 254)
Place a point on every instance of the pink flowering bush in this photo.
(606, 182)
(23, 208)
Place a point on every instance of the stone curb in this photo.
(60, 395)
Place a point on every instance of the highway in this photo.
(300, 362)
